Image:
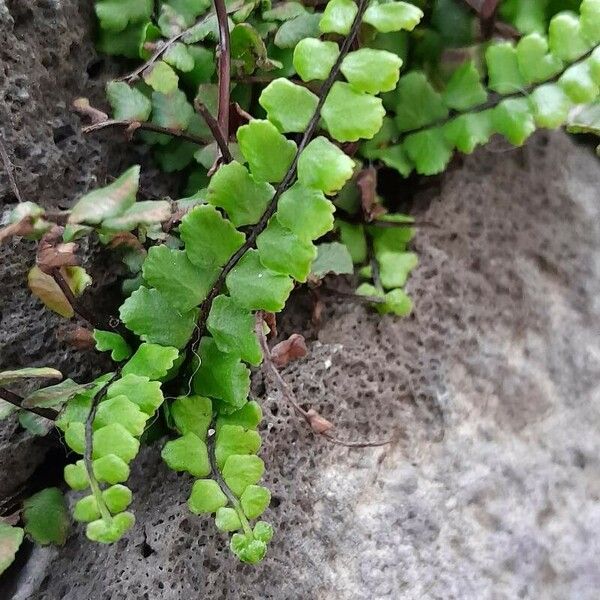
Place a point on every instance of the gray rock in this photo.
(489, 392)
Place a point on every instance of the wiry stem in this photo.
(282, 187)
(16, 400)
(213, 125)
(224, 71)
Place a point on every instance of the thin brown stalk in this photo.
(213, 125)
(224, 71)
(16, 400)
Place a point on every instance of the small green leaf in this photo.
(255, 500)
(550, 106)
(417, 103)
(235, 190)
(189, 10)
(249, 416)
(240, 471)
(227, 519)
(120, 409)
(255, 287)
(248, 549)
(114, 439)
(206, 497)
(27, 373)
(109, 341)
(109, 201)
(127, 102)
(221, 375)
(108, 532)
(86, 509)
(232, 328)
(263, 532)
(284, 11)
(289, 107)
(503, 68)
(10, 541)
(179, 57)
(269, 154)
(513, 119)
(183, 284)
(161, 77)
(394, 267)
(428, 150)
(305, 211)
(210, 239)
(110, 469)
(353, 237)
(46, 517)
(578, 84)
(171, 110)
(372, 71)
(147, 212)
(334, 258)
(324, 166)
(363, 121)
(464, 90)
(338, 17)
(117, 498)
(140, 390)
(589, 19)
(394, 157)
(115, 15)
(466, 132)
(150, 316)
(565, 37)
(290, 32)
(192, 414)
(535, 62)
(314, 59)
(76, 476)
(235, 439)
(151, 360)
(393, 16)
(281, 250)
(187, 453)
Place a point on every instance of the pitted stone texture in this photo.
(489, 392)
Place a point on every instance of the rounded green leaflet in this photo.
(161, 77)
(256, 287)
(338, 16)
(151, 361)
(324, 166)
(578, 83)
(535, 62)
(235, 439)
(232, 328)
(289, 107)
(115, 439)
(75, 437)
(113, 342)
(248, 550)
(468, 131)
(514, 120)
(305, 211)
(565, 38)
(249, 416)
(110, 469)
(109, 532)
(187, 453)
(117, 498)
(372, 71)
(255, 500)
(550, 105)
(139, 390)
(428, 150)
(503, 68)
(314, 59)
(240, 471)
(192, 414)
(393, 16)
(227, 519)
(86, 509)
(209, 238)
(76, 476)
(464, 89)
(221, 375)
(46, 517)
(233, 189)
(120, 410)
(263, 531)
(589, 12)
(127, 102)
(394, 267)
(363, 121)
(268, 152)
(281, 250)
(206, 497)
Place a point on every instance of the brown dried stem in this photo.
(16, 400)
(224, 72)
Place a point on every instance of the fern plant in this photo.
(262, 108)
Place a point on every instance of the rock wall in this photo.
(490, 391)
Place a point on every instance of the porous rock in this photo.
(489, 394)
